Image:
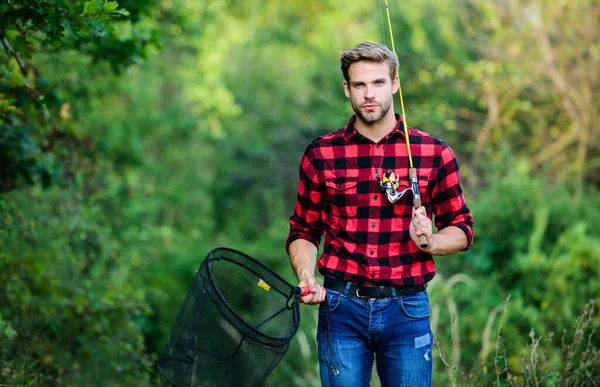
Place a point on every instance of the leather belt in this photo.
(372, 291)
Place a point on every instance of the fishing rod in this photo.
(412, 172)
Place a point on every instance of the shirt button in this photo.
(371, 252)
(373, 225)
(341, 185)
(377, 145)
(375, 197)
(377, 171)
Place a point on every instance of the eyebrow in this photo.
(362, 82)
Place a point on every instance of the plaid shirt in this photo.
(367, 237)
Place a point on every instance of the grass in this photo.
(576, 362)
(577, 365)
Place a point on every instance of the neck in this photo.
(375, 131)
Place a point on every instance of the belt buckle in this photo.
(357, 293)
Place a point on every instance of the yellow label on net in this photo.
(264, 285)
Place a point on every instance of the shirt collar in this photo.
(350, 131)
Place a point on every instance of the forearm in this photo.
(448, 241)
(303, 257)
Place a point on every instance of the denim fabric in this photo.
(394, 331)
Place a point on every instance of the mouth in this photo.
(370, 107)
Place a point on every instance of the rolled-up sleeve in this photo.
(449, 205)
(306, 222)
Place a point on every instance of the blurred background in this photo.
(136, 136)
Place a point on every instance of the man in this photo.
(375, 303)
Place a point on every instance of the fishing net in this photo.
(235, 324)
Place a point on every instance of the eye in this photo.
(379, 82)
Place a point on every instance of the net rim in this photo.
(283, 340)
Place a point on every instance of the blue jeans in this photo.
(393, 331)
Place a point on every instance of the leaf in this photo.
(90, 8)
(10, 333)
(119, 12)
(111, 5)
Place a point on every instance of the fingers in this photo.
(420, 222)
(315, 297)
(421, 226)
(422, 231)
(420, 211)
(317, 292)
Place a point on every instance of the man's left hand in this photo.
(421, 225)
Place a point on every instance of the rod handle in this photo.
(417, 203)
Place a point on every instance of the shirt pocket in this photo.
(403, 207)
(342, 196)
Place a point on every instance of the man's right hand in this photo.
(317, 292)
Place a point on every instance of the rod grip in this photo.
(417, 202)
(412, 172)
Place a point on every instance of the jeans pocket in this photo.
(332, 300)
(415, 306)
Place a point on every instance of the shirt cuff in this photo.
(468, 232)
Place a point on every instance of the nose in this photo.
(370, 92)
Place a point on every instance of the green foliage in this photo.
(73, 309)
(71, 312)
(136, 136)
(532, 243)
(35, 114)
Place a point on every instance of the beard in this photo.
(371, 117)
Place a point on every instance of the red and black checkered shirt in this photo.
(367, 237)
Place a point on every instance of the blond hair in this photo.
(371, 52)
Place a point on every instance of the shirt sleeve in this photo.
(306, 222)
(449, 205)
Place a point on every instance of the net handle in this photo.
(303, 291)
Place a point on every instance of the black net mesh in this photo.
(234, 326)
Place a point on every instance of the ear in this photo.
(395, 85)
(346, 91)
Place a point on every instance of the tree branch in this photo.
(492, 119)
(563, 142)
(12, 52)
(495, 106)
(568, 98)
